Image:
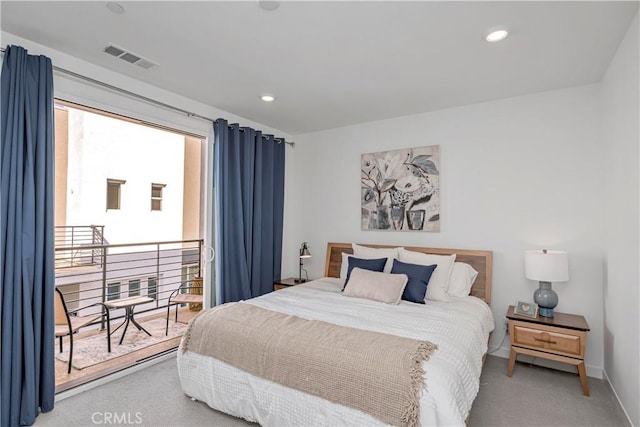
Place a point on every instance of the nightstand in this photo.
(285, 283)
(561, 338)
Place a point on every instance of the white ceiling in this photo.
(332, 64)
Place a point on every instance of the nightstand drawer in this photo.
(549, 340)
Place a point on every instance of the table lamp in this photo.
(546, 267)
(304, 253)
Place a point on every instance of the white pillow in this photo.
(382, 287)
(439, 282)
(373, 253)
(461, 280)
(344, 267)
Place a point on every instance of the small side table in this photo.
(128, 304)
(562, 338)
(285, 283)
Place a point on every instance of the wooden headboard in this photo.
(480, 260)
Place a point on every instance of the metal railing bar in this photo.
(179, 259)
(165, 282)
(77, 226)
(116, 270)
(147, 248)
(161, 295)
(165, 251)
(123, 245)
(70, 300)
(110, 277)
(97, 322)
(156, 270)
(172, 287)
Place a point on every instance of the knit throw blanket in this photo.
(377, 373)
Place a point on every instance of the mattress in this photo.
(460, 328)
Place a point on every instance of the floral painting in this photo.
(401, 189)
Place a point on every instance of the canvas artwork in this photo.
(401, 189)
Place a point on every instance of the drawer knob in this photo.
(543, 340)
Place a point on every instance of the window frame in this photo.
(117, 183)
(158, 199)
(154, 294)
(134, 286)
(114, 295)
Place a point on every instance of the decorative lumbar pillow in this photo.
(439, 282)
(365, 264)
(376, 286)
(418, 275)
(370, 253)
(461, 280)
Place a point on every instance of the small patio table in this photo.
(128, 304)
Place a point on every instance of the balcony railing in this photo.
(152, 269)
(78, 239)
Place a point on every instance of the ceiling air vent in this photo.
(112, 50)
(128, 56)
(146, 64)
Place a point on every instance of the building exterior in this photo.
(140, 184)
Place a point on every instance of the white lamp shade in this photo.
(546, 266)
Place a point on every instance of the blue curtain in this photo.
(249, 183)
(26, 245)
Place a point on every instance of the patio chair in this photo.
(67, 323)
(183, 295)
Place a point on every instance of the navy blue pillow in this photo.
(419, 276)
(366, 264)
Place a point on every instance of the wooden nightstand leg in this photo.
(512, 362)
(583, 378)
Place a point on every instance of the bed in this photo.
(460, 328)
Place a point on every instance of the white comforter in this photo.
(460, 329)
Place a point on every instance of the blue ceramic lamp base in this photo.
(546, 299)
(545, 312)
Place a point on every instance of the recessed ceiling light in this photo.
(496, 36)
(268, 98)
(116, 8)
(268, 5)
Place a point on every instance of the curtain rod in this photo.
(135, 95)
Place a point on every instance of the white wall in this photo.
(621, 137)
(102, 148)
(516, 174)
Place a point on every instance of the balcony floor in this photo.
(78, 377)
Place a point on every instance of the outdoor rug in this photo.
(93, 350)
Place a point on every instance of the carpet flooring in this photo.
(534, 396)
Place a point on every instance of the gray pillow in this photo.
(382, 287)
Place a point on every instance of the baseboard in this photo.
(116, 375)
(613, 389)
(592, 371)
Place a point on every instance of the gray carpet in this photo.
(537, 396)
(534, 396)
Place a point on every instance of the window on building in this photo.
(152, 287)
(113, 193)
(156, 196)
(134, 287)
(113, 291)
